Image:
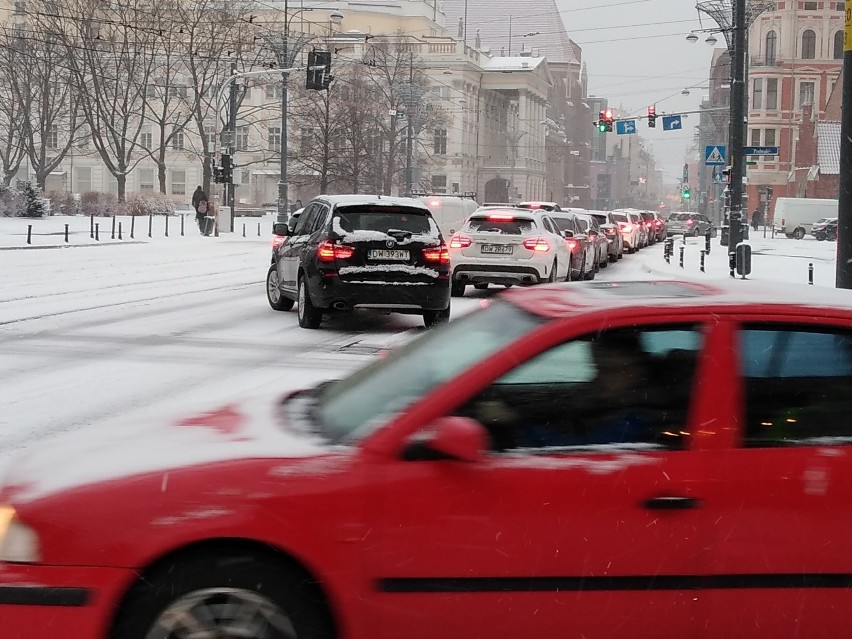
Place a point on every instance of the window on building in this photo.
(755, 137)
(84, 137)
(769, 137)
(52, 140)
(210, 134)
(273, 91)
(757, 94)
(242, 142)
(146, 138)
(808, 45)
(306, 138)
(840, 6)
(439, 183)
(178, 182)
(273, 138)
(177, 141)
(771, 47)
(178, 92)
(838, 45)
(772, 93)
(20, 7)
(146, 179)
(806, 93)
(810, 6)
(440, 142)
(82, 179)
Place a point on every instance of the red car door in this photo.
(564, 531)
(780, 505)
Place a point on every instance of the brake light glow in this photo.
(438, 254)
(328, 251)
(278, 241)
(627, 228)
(571, 244)
(658, 223)
(690, 222)
(435, 203)
(538, 244)
(501, 216)
(460, 241)
(533, 206)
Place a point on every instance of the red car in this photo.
(643, 459)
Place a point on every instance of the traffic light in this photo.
(608, 120)
(687, 193)
(652, 117)
(601, 123)
(226, 169)
(319, 70)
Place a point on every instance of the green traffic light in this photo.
(686, 194)
(602, 128)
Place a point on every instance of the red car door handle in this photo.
(671, 503)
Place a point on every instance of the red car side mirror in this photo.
(452, 438)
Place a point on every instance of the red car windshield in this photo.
(357, 404)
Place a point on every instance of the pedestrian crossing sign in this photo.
(714, 155)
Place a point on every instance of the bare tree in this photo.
(111, 53)
(47, 97)
(12, 112)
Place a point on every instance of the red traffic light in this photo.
(608, 115)
(652, 110)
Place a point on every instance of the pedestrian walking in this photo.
(200, 205)
(755, 219)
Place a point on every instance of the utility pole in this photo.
(738, 91)
(844, 210)
(232, 142)
(409, 142)
(283, 188)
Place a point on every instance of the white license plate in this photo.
(383, 254)
(500, 249)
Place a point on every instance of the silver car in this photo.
(684, 223)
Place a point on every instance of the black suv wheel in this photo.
(309, 315)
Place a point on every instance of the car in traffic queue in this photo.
(825, 229)
(591, 227)
(688, 223)
(349, 252)
(649, 220)
(630, 229)
(540, 206)
(508, 247)
(695, 438)
(581, 245)
(659, 226)
(610, 228)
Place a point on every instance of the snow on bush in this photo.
(99, 204)
(35, 204)
(152, 203)
(64, 203)
(12, 202)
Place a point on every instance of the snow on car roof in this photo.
(372, 200)
(558, 300)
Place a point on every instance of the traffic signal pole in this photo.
(737, 138)
(843, 278)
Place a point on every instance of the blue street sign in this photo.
(760, 150)
(625, 127)
(671, 123)
(714, 155)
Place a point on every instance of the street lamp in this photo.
(286, 57)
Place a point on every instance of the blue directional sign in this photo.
(760, 150)
(671, 123)
(714, 155)
(625, 127)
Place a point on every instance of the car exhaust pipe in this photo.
(339, 306)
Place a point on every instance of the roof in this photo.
(561, 300)
(490, 18)
(515, 63)
(828, 147)
(371, 200)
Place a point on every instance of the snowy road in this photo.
(101, 333)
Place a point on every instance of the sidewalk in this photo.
(49, 232)
(776, 260)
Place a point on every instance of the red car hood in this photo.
(246, 430)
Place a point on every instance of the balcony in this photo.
(765, 61)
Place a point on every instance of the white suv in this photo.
(507, 246)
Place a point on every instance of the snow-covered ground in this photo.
(99, 333)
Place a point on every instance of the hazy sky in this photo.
(637, 54)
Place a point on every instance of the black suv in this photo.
(357, 251)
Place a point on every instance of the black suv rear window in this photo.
(507, 226)
(383, 218)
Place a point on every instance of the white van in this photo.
(450, 211)
(794, 216)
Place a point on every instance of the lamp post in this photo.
(286, 55)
